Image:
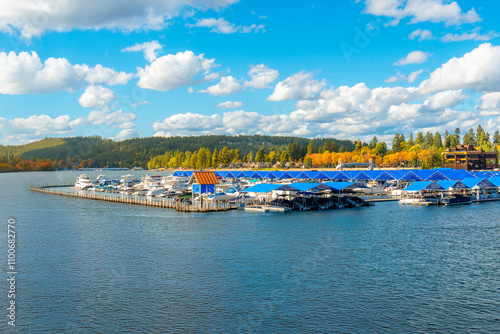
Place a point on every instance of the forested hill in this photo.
(98, 152)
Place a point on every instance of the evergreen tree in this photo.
(437, 141)
(381, 148)
(428, 141)
(411, 141)
(261, 155)
(396, 143)
(373, 143)
(311, 148)
(250, 156)
(283, 158)
(335, 148)
(215, 159)
(496, 138)
(359, 145)
(447, 139)
(420, 139)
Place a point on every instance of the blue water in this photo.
(96, 267)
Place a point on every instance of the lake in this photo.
(86, 266)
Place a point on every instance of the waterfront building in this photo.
(469, 158)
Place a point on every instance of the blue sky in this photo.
(346, 69)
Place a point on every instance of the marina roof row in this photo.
(367, 175)
(470, 183)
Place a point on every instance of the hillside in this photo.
(98, 152)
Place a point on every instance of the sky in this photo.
(347, 69)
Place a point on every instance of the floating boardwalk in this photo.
(167, 203)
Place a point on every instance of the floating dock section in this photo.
(167, 203)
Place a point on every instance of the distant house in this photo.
(469, 158)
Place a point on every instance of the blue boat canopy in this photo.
(478, 183)
(410, 176)
(267, 188)
(362, 176)
(423, 185)
(452, 184)
(436, 176)
(311, 186)
(495, 180)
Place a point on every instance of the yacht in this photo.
(175, 183)
(83, 182)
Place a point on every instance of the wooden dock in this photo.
(159, 202)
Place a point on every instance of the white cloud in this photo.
(261, 76)
(227, 85)
(150, 49)
(107, 117)
(241, 121)
(473, 36)
(414, 57)
(421, 34)
(128, 134)
(446, 99)
(189, 122)
(41, 125)
(34, 17)
(444, 11)
(478, 70)
(297, 87)
(96, 97)
(230, 105)
(410, 78)
(173, 71)
(24, 73)
(222, 26)
(490, 105)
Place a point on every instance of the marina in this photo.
(283, 191)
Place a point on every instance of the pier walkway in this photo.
(160, 202)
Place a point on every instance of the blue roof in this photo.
(350, 174)
(320, 176)
(255, 175)
(410, 176)
(423, 173)
(303, 175)
(177, 173)
(294, 174)
(311, 186)
(267, 188)
(423, 185)
(362, 176)
(477, 182)
(344, 185)
(285, 175)
(456, 174)
(269, 175)
(495, 180)
(397, 174)
(483, 175)
(338, 176)
(453, 184)
(384, 176)
(436, 176)
(239, 174)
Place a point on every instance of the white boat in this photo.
(175, 183)
(83, 182)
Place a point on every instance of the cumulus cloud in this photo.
(230, 105)
(150, 49)
(24, 73)
(40, 125)
(299, 86)
(173, 71)
(227, 85)
(414, 57)
(410, 78)
(128, 134)
(261, 76)
(421, 34)
(108, 117)
(96, 97)
(443, 11)
(478, 70)
(473, 36)
(188, 123)
(222, 26)
(34, 17)
(446, 99)
(490, 105)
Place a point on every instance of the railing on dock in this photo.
(169, 203)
